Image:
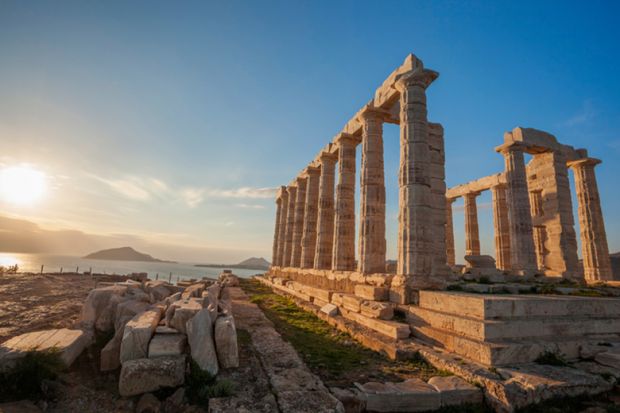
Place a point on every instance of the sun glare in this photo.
(22, 184)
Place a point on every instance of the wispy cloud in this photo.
(250, 206)
(244, 192)
(584, 115)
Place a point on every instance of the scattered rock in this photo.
(180, 313)
(480, 261)
(330, 309)
(148, 375)
(137, 334)
(350, 399)
(226, 342)
(148, 404)
(97, 302)
(167, 345)
(200, 338)
(454, 391)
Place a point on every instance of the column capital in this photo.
(326, 156)
(280, 193)
(580, 163)
(370, 112)
(342, 138)
(511, 147)
(311, 170)
(300, 179)
(451, 200)
(417, 77)
(472, 194)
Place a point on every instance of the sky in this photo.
(172, 123)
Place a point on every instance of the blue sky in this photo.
(170, 121)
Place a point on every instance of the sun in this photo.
(22, 185)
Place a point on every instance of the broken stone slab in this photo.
(201, 343)
(137, 335)
(147, 375)
(330, 309)
(166, 330)
(302, 401)
(608, 358)
(68, 343)
(412, 395)
(371, 292)
(351, 399)
(97, 301)
(480, 261)
(126, 310)
(171, 299)
(148, 403)
(105, 321)
(194, 290)
(180, 312)
(226, 342)
(454, 391)
(375, 309)
(162, 345)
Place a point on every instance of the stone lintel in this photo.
(479, 185)
(584, 161)
(370, 111)
(421, 76)
(342, 137)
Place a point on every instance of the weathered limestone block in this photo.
(105, 321)
(167, 345)
(412, 395)
(200, 338)
(351, 399)
(318, 302)
(480, 261)
(180, 312)
(226, 342)
(148, 404)
(375, 309)
(319, 293)
(147, 375)
(609, 358)
(371, 292)
(96, 303)
(137, 334)
(194, 290)
(330, 309)
(69, 344)
(388, 328)
(126, 310)
(455, 391)
(351, 302)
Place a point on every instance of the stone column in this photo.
(276, 235)
(450, 233)
(325, 223)
(594, 249)
(372, 195)
(343, 258)
(282, 227)
(290, 226)
(298, 229)
(540, 236)
(308, 240)
(416, 208)
(501, 226)
(472, 236)
(522, 252)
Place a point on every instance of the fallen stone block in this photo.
(351, 399)
(162, 345)
(126, 310)
(480, 261)
(318, 302)
(68, 343)
(608, 358)
(180, 312)
(454, 391)
(97, 302)
(330, 309)
(166, 330)
(375, 309)
(148, 404)
(412, 395)
(226, 342)
(371, 292)
(201, 343)
(137, 335)
(194, 290)
(147, 375)
(302, 401)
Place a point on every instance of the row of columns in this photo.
(520, 246)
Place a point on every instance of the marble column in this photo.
(416, 244)
(540, 236)
(372, 195)
(501, 227)
(522, 252)
(472, 236)
(290, 226)
(276, 235)
(594, 248)
(308, 240)
(325, 223)
(450, 253)
(282, 226)
(343, 258)
(298, 229)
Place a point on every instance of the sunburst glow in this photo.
(22, 184)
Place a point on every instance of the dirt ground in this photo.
(31, 302)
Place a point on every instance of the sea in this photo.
(155, 270)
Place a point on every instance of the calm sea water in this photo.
(53, 263)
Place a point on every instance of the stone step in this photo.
(391, 329)
(508, 351)
(489, 306)
(478, 329)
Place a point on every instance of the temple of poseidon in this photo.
(490, 312)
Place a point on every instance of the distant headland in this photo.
(123, 254)
(249, 264)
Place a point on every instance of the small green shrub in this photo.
(484, 280)
(23, 380)
(200, 386)
(223, 388)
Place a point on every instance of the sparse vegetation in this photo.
(551, 358)
(11, 269)
(24, 379)
(335, 356)
(201, 386)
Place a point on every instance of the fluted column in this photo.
(540, 236)
(372, 195)
(450, 253)
(594, 248)
(290, 226)
(415, 219)
(308, 240)
(501, 226)
(343, 258)
(325, 223)
(276, 234)
(282, 226)
(472, 236)
(522, 252)
(298, 229)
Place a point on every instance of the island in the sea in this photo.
(123, 254)
(249, 264)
